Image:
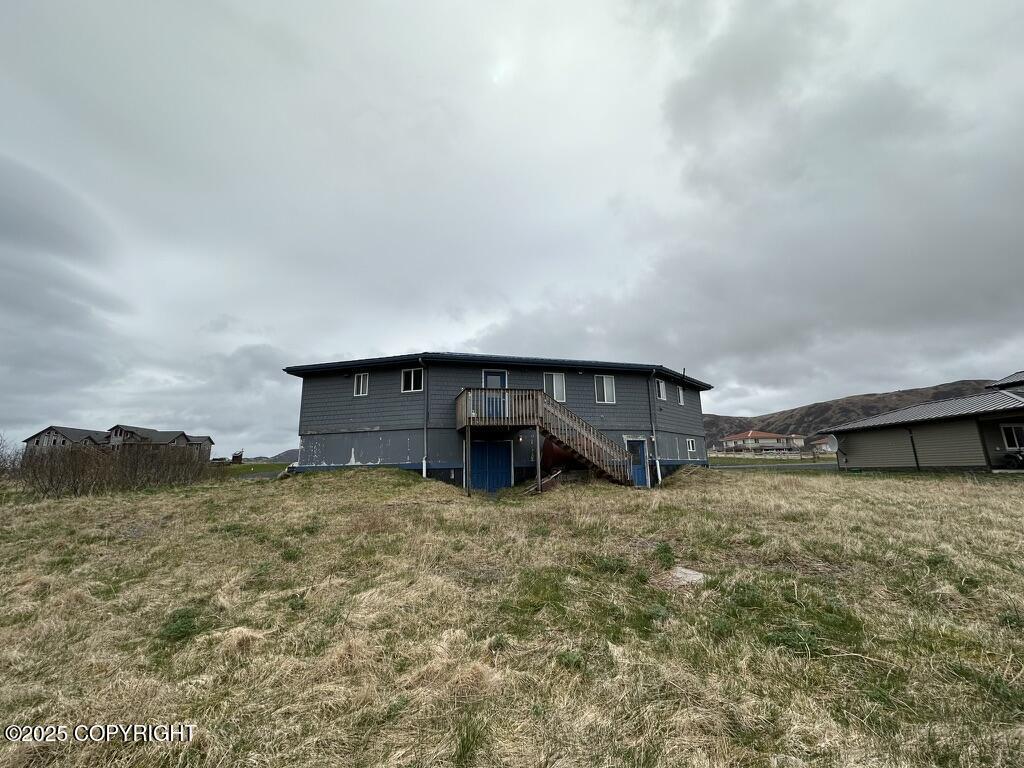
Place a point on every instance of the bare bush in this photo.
(77, 471)
(10, 457)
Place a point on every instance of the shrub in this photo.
(10, 457)
(81, 470)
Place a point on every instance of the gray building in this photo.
(119, 434)
(497, 420)
(983, 431)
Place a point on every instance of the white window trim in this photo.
(691, 445)
(681, 394)
(355, 385)
(604, 376)
(1003, 434)
(661, 389)
(554, 394)
(412, 380)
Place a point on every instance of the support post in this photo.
(537, 443)
(467, 468)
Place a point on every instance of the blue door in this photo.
(494, 402)
(491, 465)
(638, 455)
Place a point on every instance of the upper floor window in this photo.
(412, 380)
(662, 395)
(680, 392)
(554, 386)
(361, 385)
(604, 388)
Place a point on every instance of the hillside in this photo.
(372, 618)
(808, 419)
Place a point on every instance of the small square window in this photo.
(682, 395)
(554, 386)
(604, 389)
(412, 380)
(361, 385)
(661, 389)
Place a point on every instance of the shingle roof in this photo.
(1010, 381)
(465, 357)
(74, 434)
(987, 402)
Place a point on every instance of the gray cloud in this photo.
(793, 201)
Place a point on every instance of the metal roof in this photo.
(1012, 380)
(465, 357)
(971, 405)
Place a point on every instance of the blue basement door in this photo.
(638, 455)
(492, 465)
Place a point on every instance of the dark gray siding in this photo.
(386, 426)
(328, 404)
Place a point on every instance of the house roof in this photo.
(163, 435)
(474, 359)
(1013, 380)
(755, 433)
(971, 405)
(71, 433)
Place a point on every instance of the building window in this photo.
(412, 380)
(1013, 436)
(604, 389)
(681, 393)
(554, 386)
(662, 393)
(361, 385)
(691, 445)
(37, 441)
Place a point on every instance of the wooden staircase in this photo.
(518, 408)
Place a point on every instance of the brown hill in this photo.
(808, 419)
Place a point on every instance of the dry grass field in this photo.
(370, 618)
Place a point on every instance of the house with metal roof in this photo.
(488, 421)
(982, 431)
(117, 435)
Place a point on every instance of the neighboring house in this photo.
(823, 444)
(753, 440)
(117, 435)
(498, 420)
(983, 431)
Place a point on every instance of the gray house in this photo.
(497, 420)
(119, 434)
(983, 431)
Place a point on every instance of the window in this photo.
(412, 380)
(682, 395)
(604, 389)
(554, 386)
(662, 395)
(1013, 436)
(361, 385)
(691, 445)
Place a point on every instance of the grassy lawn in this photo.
(726, 460)
(236, 470)
(369, 617)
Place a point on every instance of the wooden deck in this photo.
(521, 408)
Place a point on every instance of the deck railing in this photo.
(483, 407)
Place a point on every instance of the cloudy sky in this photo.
(794, 200)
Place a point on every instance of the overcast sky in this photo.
(795, 202)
